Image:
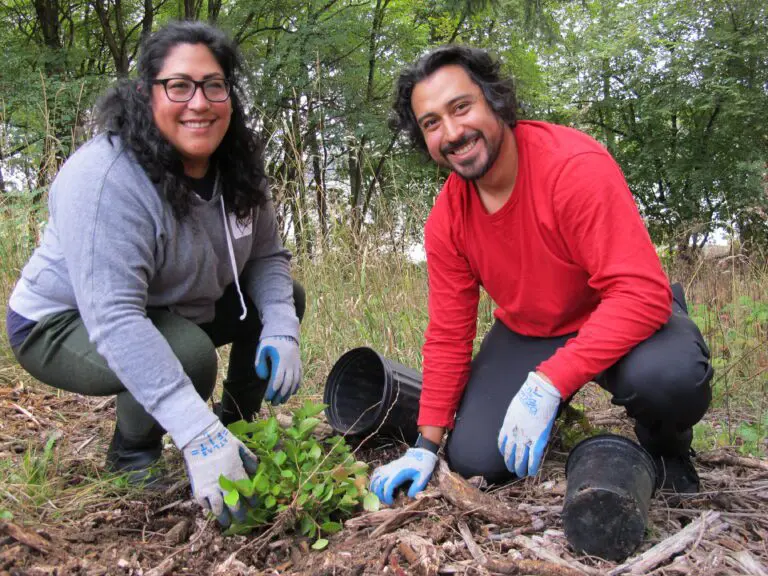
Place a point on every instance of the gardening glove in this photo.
(527, 425)
(283, 370)
(213, 453)
(415, 467)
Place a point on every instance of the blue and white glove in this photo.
(527, 425)
(415, 467)
(283, 369)
(210, 454)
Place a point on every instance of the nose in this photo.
(452, 129)
(199, 101)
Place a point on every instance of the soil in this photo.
(71, 518)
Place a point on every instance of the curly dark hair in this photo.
(499, 92)
(126, 111)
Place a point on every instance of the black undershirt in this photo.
(203, 187)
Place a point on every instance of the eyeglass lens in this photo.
(183, 90)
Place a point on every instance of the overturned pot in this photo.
(611, 481)
(368, 394)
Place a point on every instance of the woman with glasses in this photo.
(162, 245)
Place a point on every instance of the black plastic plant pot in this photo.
(367, 394)
(611, 481)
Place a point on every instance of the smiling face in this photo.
(194, 128)
(460, 129)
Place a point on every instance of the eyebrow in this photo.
(449, 103)
(188, 77)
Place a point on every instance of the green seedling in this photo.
(317, 482)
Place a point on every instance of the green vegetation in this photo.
(314, 483)
(675, 89)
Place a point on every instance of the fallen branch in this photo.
(27, 413)
(472, 546)
(676, 543)
(723, 457)
(463, 495)
(29, 539)
(532, 567)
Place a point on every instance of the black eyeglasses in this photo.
(183, 89)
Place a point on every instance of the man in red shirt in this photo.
(541, 217)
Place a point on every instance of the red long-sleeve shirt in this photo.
(568, 252)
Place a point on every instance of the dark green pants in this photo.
(59, 353)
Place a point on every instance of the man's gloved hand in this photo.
(415, 467)
(210, 454)
(527, 425)
(284, 369)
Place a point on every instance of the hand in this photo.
(213, 453)
(527, 425)
(285, 363)
(415, 467)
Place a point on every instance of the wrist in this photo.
(432, 433)
(426, 444)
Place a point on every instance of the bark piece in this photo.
(421, 554)
(468, 498)
(179, 533)
(571, 566)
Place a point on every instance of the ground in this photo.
(63, 515)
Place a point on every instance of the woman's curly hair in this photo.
(498, 91)
(126, 111)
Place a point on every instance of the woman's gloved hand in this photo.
(527, 425)
(213, 453)
(283, 369)
(416, 467)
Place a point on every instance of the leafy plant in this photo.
(317, 482)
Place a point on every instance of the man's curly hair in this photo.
(483, 70)
(126, 111)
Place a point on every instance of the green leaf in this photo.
(288, 474)
(320, 544)
(232, 498)
(371, 502)
(244, 487)
(317, 492)
(307, 425)
(331, 527)
(270, 501)
(261, 484)
(279, 458)
(306, 524)
(226, 483)
(315, 452)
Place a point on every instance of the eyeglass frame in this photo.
(198, 84)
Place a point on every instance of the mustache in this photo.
(451, 146)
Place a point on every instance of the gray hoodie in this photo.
(113, 247)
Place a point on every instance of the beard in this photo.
(476, 167)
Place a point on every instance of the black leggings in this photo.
(663, 383)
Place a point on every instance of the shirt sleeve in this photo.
(108, 239)
(267, 276)
(453, 298)
(602, 228)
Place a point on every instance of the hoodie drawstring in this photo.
(228, 234)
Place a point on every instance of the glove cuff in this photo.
(422, 454)
(544, 385)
